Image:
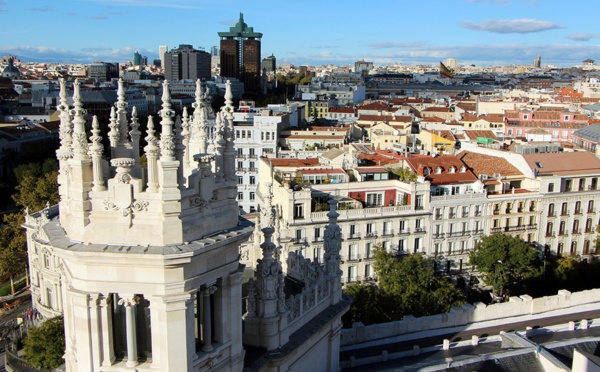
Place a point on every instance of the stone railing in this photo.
(473, 316)
(346, 214)
(312, 300)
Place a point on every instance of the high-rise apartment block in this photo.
(240, 54)
(185, 62)
(162, 49)
(269, 64)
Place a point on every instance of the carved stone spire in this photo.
(122, 114)
(267, 277)
(135, 134)
(199, 127)
(113, 134)
(96, 150)
(65, 128)
(167, 137)
(186, 134)
(80, 144)
(151, 150)
(332, 241)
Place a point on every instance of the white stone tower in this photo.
(142, 253)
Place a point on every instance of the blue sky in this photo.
(481, 32)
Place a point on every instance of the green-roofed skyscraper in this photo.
(240, 55)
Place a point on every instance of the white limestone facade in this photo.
(142, 259)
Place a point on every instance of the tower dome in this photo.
(11, 71)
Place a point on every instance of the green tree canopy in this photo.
(408, 285)
(505, 260)
(37, 186)
(45, 346)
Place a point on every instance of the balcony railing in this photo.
(496, 229)
(550, 234)
(452, 215)
(496, 212)
(438, 216)
(388, 232)
(371, 234)
(575, 232)
(578, 211)
(404, 231)
(300, 241)
(591, 211)
(317, 239)
(419, 230)
(551, 214)
(354, 236)
(465, 214)
(439, 235)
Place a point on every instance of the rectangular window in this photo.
(551, 187)
(419, 202)
(240, 180)
(401, 245)
(374, 199)
(252, 195)
(298, 210)
(369, 250)
(252, 180)
(240, 152)
(240, 196)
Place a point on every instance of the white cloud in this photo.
(390, 45)
(86, 55)
(583, 36)
(177, 4)
(509, 26)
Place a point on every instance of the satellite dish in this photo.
(395, 132)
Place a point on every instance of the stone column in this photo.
(206, 318)
(129, 302)
(106, 328)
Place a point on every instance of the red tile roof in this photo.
(296, 163)
(444, 163)
(474, 134)
(488, 164)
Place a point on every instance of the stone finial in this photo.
(228, 96)
(151, 150)
(65, 128)
(185, 124)
(167, 137)
(96, 147)
(135, 125)
(113, 134)
(332, 241)
(80, 144)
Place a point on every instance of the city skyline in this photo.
(481, 32)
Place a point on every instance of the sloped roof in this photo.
(564, 163)
(444, 163)
(488, 164)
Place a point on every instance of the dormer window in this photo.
(438, 170)
(426, 172)
(452, 169)
(463, 169)
(525, 116)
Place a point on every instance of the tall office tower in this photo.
(537, 63)
(451, 63)
(240, 54)
(103, 71)
(162, 49)
(214, 51)
(185, 62)
(269, 64)
(137, 58)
